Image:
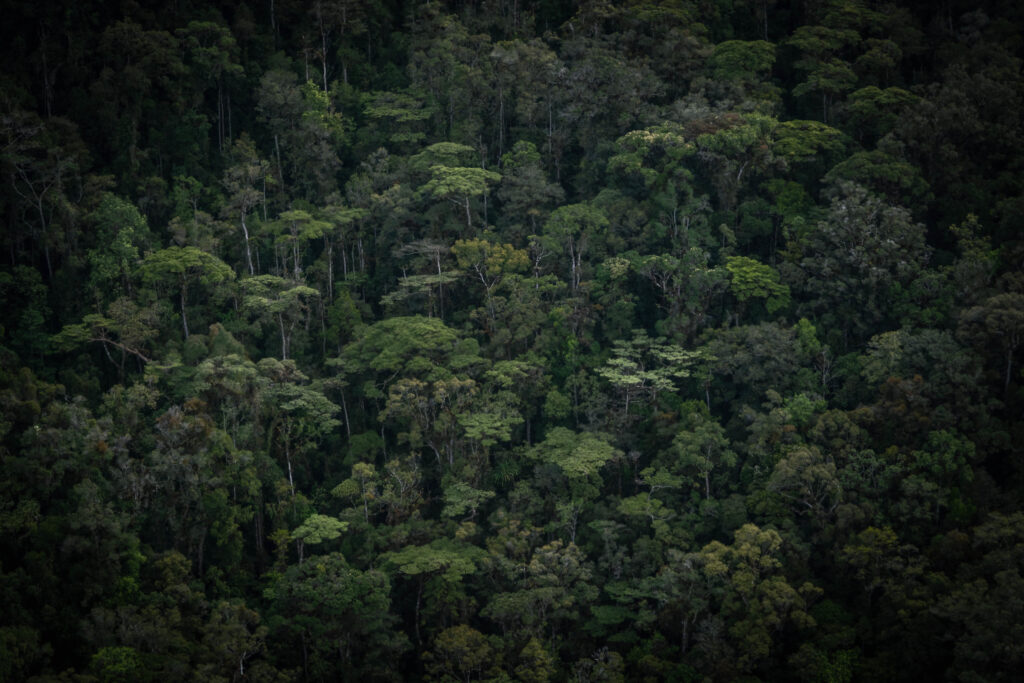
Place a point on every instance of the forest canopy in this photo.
(511, 340)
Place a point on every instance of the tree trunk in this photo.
(184, 320)
(416, 625)
(329, 248)
(344, 411)
(1009, 369)
(248, 250)
(707, 473)
(277, 152)
(284, 339)
(440, 290)
(288, 461)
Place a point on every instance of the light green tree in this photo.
(315, 530)
(183, 267)
(269, 297)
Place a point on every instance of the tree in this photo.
(443, 563)
(855, 261)
(875, 111)
(398, 347)
(274, 298)
(977, 612)
(462, 653)
(43, 162)
(883, 173)
(279, 105)
(643, 367)
(120, 231)
(579, 458)
(213, 53)
(246, 182)
(701, 445)
(142, 79)
(742, 60)
(752, 279)
(527, 197)
(340, 220)
(489, 263)
(741, 147)
(756, 598)
(827, 72)
(999, 318)
(460, 498)
(404, 114)
(182, 267)
(687, 286)
(302, 414)
(315, 530)
(125, 327)
(571, 230)
(341, 17)
(808, 480)
(303, 120)
(536, 664)
(333, 620)
(653, 166)
(458, 185)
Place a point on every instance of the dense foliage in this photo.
(512, 340)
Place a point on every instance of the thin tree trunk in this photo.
(440, 290)
(288, 460)
(184, 321)
(329, 248)
(248, 251)
(284, 340)
(416, 625)
(277, 152)
(344, 410)
(1009, 369)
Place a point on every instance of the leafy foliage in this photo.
(530, 341)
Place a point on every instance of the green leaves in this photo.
(643, 366)
(183, 264)
(579, 456)
(450, 559)
(738, 60)
(446, 182)
(702, 447)
(318, 528)
(802, 141)
(405, 345)
(752, 279)
(460, 498)
(121, 231)
(276, 300)
(855, 259)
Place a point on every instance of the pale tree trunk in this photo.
(248, 250)
(284, 339)
(277, 152)
(288, 461)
